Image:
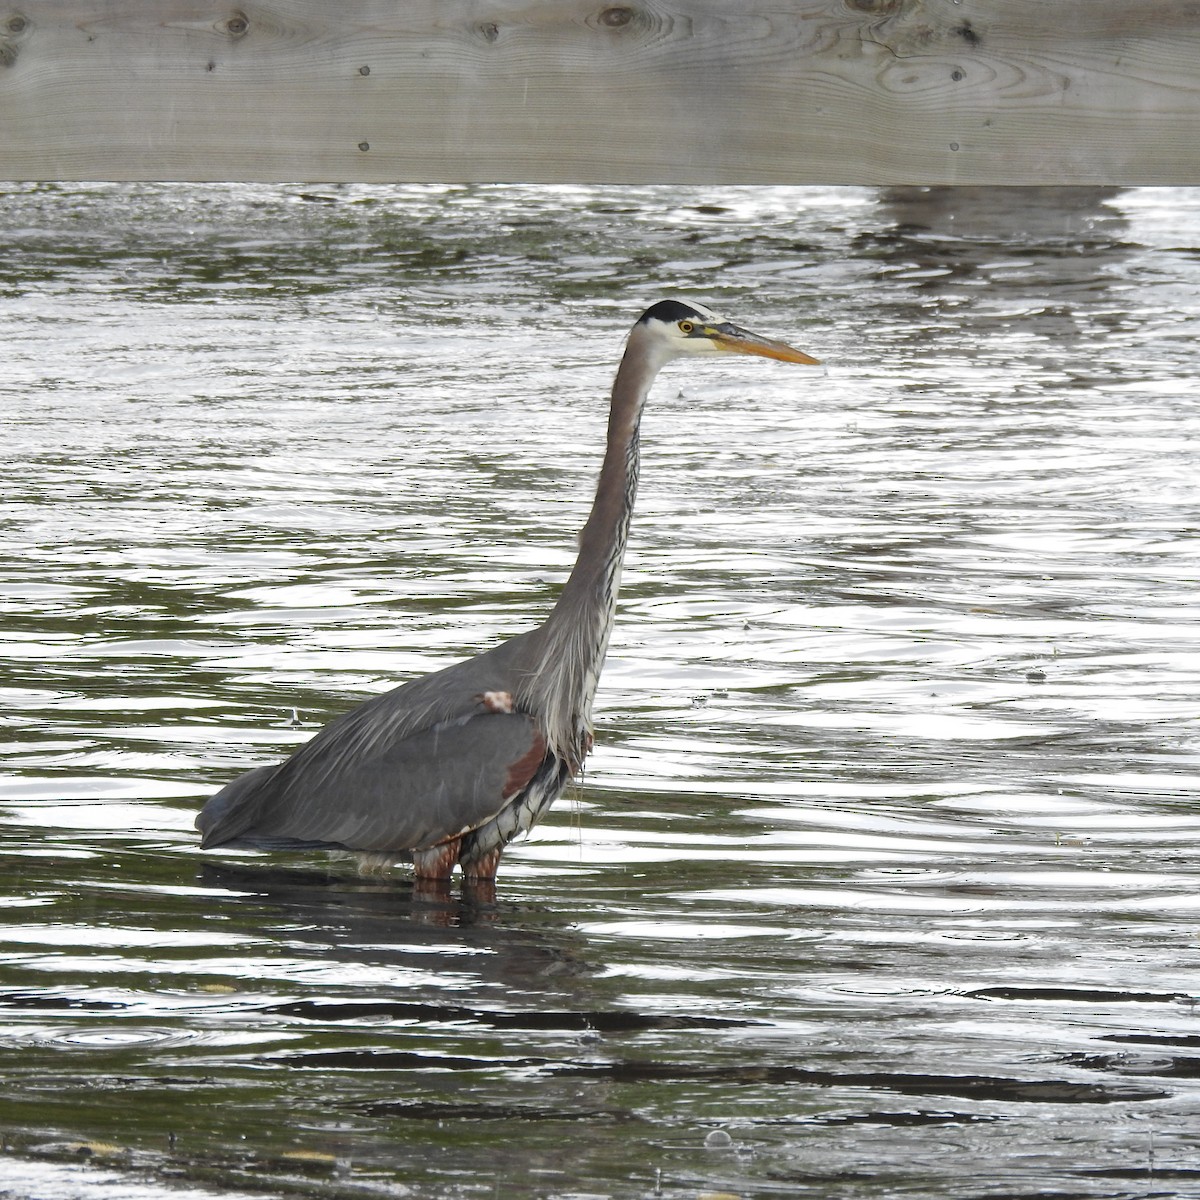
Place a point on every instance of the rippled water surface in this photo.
(883, 878)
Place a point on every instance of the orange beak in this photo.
(739, 341)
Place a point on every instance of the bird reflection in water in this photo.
(389, 926)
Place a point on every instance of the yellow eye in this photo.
(686, 327)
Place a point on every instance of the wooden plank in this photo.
(649, 91)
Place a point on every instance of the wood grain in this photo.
(672, 91)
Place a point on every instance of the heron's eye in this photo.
(686, 327)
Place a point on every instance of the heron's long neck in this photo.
(577, 630)
(593, 583)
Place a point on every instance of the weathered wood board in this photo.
(680, 91)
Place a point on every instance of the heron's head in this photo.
(676, 329)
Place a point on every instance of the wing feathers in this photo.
(407, 794)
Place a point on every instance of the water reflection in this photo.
(336, 916)
(1015, 220)
(883, 866)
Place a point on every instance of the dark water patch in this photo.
(1155, 1177)
(1158, 1067)
(49, 1002)
(900, 1119)
(596, 1021)
(966, 1087)
(382, 1058)
(1057, 995)
(1187, 1041)
(499, 1112)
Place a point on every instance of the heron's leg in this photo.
(438, 861)
(483, 867)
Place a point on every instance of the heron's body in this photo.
(449, 768)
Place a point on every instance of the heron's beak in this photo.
(739, 341)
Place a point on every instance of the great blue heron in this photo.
(449, 768)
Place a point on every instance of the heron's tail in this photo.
(232, 811)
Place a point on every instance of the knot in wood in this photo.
(616, 17)
(16, 24)
(875, 7)
(237, 25)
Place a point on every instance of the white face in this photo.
(678, 329)
(685, 334)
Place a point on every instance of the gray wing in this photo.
(404, 771)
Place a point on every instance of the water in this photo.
(882, 880)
